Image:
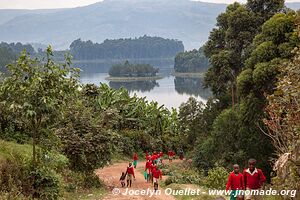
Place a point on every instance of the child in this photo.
(148, 169)
(235, 183)
(157, 175)
(135, 160)
(254, 179)
(130, 174)
(122, 179)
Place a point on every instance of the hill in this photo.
(185, 20)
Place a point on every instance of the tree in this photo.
(227, 48)
(283, 123)
(35, 94)
(142, 47)
(191, 61)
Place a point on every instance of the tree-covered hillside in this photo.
(9, 52)
(191, 61)
(142, 47)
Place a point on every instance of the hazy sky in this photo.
(35, 4)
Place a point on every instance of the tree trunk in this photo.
(232, 95)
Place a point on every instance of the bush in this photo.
(46, 183)
(217, 178)
(19, 181)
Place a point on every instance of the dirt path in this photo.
(111, 174)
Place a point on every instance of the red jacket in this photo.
(157, 173)
(235, 182)
(255, 179)
(171, 153)
(153, 157)
(148, 165)
(130, 170)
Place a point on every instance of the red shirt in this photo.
(148, 164)
(153, 157)
(130, 170)
(161, 154)
(170, 153)
(135, 157)
(255, 179)
(235, 182)
(157, 173)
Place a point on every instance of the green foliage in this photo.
(46, 183)
(84, 142)
(191, 61)
(142, 47)
(217, 178)
(181, 174)
(34, 95)
(284, 124)
(132, 70)
(6, 56)
(17, 178)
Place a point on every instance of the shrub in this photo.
(216, 178)
(46, 183)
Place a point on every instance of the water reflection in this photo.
(191, 86)
(135, 86)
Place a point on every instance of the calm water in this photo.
(170, 91)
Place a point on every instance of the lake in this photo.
(169, 91)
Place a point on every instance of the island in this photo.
(132, 72)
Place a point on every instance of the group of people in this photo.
(252, 178)
(152, 173)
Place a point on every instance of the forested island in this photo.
(142, 47)
(191, 62)
(129, 70)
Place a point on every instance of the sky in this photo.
(47, 4)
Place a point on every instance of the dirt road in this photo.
(111, 174)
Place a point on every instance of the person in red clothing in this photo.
(148, 169)
(135, 159)
(235, 183)
(154, 157)
(254, 179)
(171, 155)
(130, 174)
(157, 175)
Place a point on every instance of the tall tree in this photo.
(36, 94)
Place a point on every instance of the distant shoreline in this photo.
(129, 79)
(188, 74)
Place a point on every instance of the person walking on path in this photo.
(130, 174)
(148, 169)
(254, 180)
(235, 183)
(135, 159)
(171, 155)
(122, 179)
(181, 156)
(157, 175)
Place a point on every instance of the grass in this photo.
(130, 79)
(92, 194)
(8, 149)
